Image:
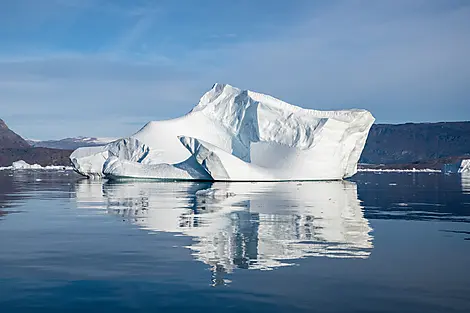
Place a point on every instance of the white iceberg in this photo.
(23, 165)
(464, 166)
(236, 135)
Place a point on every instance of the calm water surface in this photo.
(377, 243)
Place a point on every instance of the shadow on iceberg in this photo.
(243, 225)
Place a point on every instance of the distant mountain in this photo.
(9, 139)
(41, 156)
(71, 143)
(417, 143)
(13, 148)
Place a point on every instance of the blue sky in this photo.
(105, 68)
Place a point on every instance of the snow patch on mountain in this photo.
(71, 143)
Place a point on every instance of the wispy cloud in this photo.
(403, 60)
(403, 63)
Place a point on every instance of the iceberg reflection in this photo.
(243, 225)
(465, 181)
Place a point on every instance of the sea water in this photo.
(380, 242)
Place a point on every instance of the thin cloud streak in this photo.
(401, 60)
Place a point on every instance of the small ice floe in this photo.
(23, 165)
(391, 170)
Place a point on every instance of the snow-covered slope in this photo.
(71, 143)
(235, 134)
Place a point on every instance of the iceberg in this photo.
(23, 165)
(464, 166)
(236, 135)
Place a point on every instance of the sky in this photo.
(104, 68)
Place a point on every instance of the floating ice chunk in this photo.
(22, 165)
(240, 135)
(464, 166)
